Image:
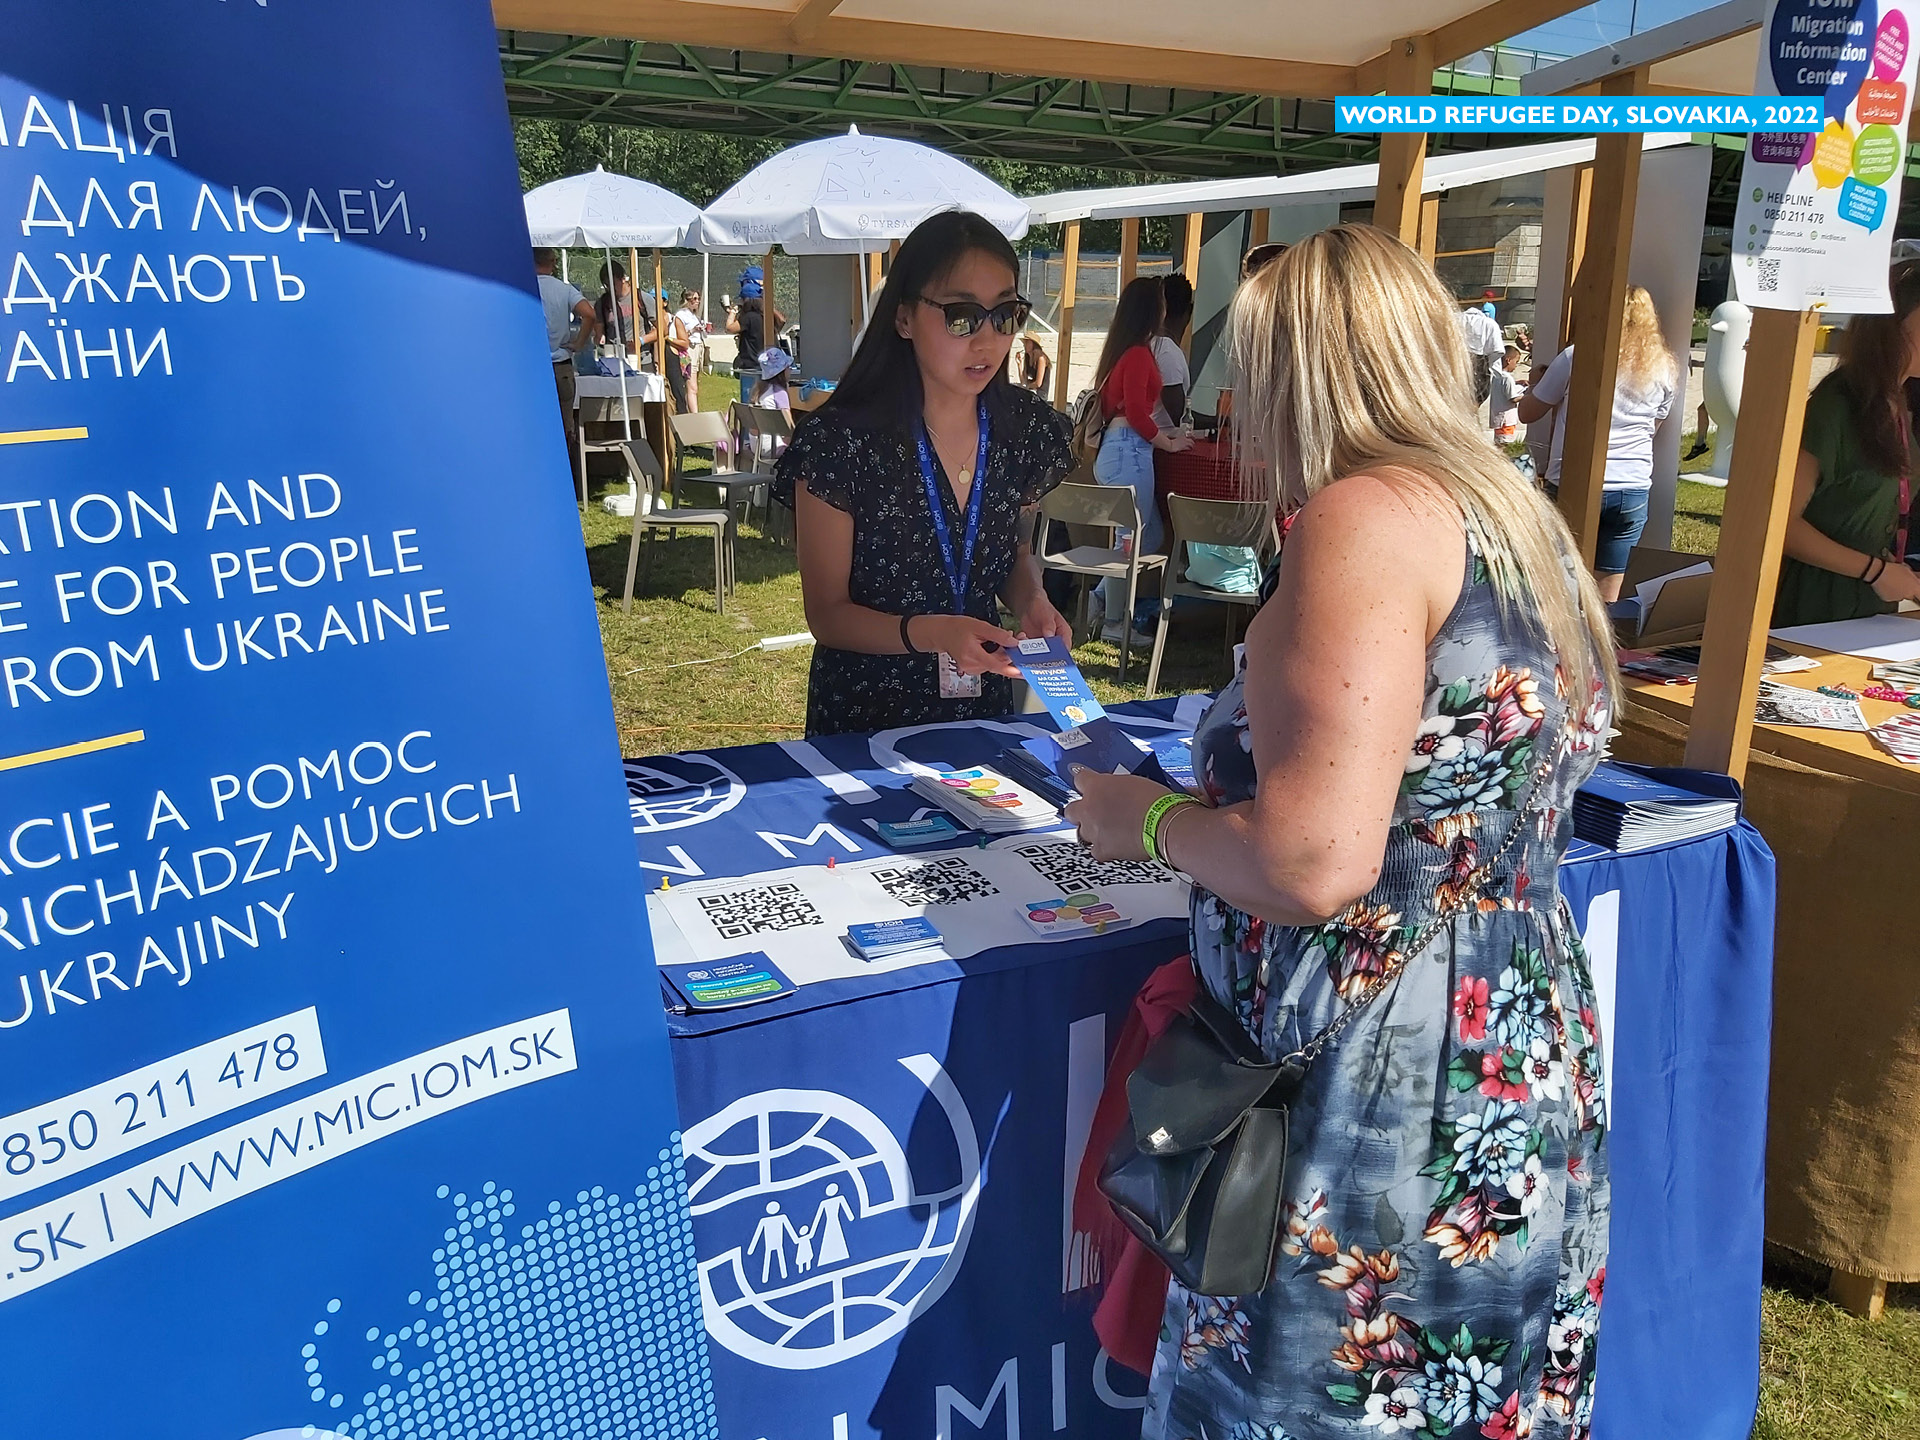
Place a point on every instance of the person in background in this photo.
(1032, 366)
(1175, 377)
(1485, 345)
(570, 327)
(613, 312)
(1643, 391)
(1503, 396)
(770, 393)
(913, 488)
(1129, 384)
(1423, 695)
(1847, 531)
(677, 346)
(695, 354)
(747, 319)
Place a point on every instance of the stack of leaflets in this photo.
(1074, 915)
(1790, 705)
(887, 938)
(986, 800)
(723, 984)
(1625, 810)
(1680, 664)
(1898, 674)
(1899, 737)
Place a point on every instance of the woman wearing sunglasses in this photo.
(909, 486)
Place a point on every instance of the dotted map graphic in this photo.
(555, 1328)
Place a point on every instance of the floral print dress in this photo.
(1446, 1204)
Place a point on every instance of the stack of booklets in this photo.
(746, 979)
(1627, 810)
(986, 800)
(887, 938)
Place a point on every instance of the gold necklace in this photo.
(964, 478)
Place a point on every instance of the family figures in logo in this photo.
(770, 1237)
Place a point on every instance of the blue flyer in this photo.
(1049, 668)
(745, 979)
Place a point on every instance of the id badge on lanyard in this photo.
(953, 685)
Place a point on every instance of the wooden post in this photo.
(1599, 300)
(1429, 226)
(1576, 251)
(1129, 250)
(769, 331)
(632, 338)
(1191, 267)
(1257, 227)
(662, 314)
(1752, 534)
(874, 276)
(1069, 279)
(1862, 1295)
(893, 253)
(1403, 156)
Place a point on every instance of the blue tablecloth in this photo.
(923, 1129)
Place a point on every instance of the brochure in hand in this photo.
(1626, 811)
(1046, 762)
(745, 979)
(1049, 669)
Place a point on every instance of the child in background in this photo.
(1503, 397)
(770, 393)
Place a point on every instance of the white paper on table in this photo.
(1873, 637)
(1647, 591)
(893, 887)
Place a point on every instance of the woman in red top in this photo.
(1128, 379)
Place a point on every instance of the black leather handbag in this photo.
(1199, 1172)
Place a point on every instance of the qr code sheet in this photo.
(1072, 867)
(947, 881)
(761, 910)
(1769, 276)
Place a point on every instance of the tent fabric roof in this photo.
(1269, 47)
(1349, 183)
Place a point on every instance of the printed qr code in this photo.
(1072, 867)
(759, 911)
(951, 881)
(1769, 276)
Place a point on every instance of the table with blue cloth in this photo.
(880, 1168)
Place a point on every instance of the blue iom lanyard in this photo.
(959, 569)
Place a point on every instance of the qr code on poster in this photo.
(951, 881)
(1072, 867)
(1769, 277)
(759, 911)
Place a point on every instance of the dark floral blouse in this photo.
(873, 474)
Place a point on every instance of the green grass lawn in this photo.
(1825, 1374)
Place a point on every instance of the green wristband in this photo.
(1156, 816)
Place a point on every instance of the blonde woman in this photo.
(1643, 391)
(1423, 692)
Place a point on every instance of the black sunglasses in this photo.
(965, 317)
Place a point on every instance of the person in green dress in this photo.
(1847, 532)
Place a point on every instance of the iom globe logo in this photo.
(671, 792)
(816, 1241)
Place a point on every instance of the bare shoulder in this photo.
(1386, 531)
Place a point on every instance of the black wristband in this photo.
(1877, 573)
(906, 639)
(1866, 570)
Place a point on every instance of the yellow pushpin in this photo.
(665, 883)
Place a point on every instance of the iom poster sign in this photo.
(1815, 220)
(334, 1097)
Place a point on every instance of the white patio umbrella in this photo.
(609, 211)
(848, 195)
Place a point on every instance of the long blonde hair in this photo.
(1645, 360)
(1347, 357)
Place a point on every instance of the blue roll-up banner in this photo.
(334, 1097)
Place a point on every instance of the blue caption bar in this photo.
(1583, 115)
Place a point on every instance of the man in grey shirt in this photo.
(570, 329)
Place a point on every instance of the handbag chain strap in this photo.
(1312, 1050)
